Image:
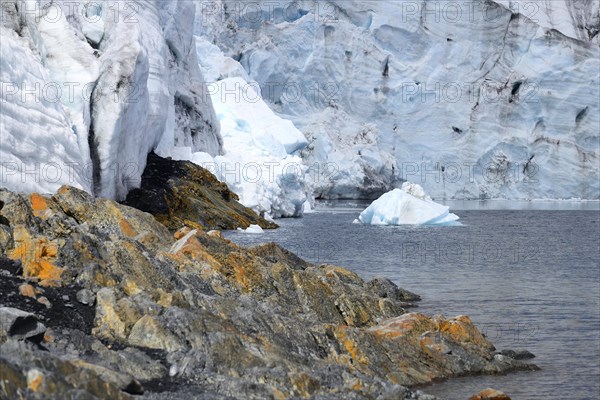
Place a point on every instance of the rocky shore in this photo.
(102, 300)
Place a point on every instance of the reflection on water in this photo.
(528, 278)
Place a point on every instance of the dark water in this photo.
(530, 279)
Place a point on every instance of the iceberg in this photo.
(407, 206)
(252, 229)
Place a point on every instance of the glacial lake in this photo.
(528, 274)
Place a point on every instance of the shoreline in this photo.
(105, 299)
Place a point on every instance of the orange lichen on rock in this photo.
(37, 256)
(39, 205)
(351, 346)
(244, 271)
(48, 273)
(462, 330)
(332, 271)
(182, 232)
(27, 290)
(304, 384)
(127, 229)
(410, 323)
(189, 246)
(34, 379)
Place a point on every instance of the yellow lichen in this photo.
(37, 256)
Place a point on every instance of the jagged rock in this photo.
(27, 290)
(180, 193)
(108, 325)
(26, 372)
(85, 296)
(18, 324)
(386, 288)
(5, 237)
(44, 300)
(518, 354)
(190, 312)
(148, 332)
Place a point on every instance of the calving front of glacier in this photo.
(260, 162)
(90, 88)
(469, 99)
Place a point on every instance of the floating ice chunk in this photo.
(307, 208)
(407, 206)
(252, 229)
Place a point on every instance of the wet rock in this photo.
(518, 354)
(385, 288)
(180, 193)
(20, 325)
(490, 394)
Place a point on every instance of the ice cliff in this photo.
(482, 99)
(89, 88)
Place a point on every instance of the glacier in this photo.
(260, 162)
(90, 88)
(472, 100)
(407, 206)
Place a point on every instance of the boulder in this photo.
(21, 325)
(490, 394)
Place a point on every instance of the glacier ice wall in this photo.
(89, 88)
(482, 99)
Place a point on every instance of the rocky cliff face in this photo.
(100, 299)
(481, 99)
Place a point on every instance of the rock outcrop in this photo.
(182, 193)
(132, 307)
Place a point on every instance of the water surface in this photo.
(529, 279)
